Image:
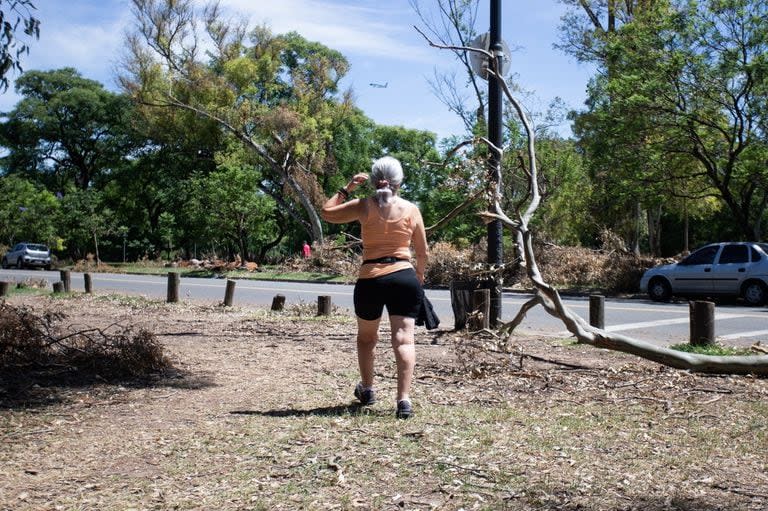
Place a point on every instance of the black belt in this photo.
(385, 260)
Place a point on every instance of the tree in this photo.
(12, 14)
(232, 209)
(686, 82)
(84, 218)
(66, 130)
(178, 146)
(27, 211)
(277, 95)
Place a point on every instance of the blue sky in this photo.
(377, 37)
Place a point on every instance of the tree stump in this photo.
(5, 288)
(229, 293)
(481, 309)
(278, 303)
(88, 283)
(173, 286)
(324, 305)
(58, 287)
(461, 299)
(66, 280)
(702, 323)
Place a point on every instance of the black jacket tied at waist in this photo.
(427, 316)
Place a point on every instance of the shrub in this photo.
(29, 341)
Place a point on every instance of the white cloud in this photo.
(381, 31)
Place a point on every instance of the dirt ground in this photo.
(258, 414)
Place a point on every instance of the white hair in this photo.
(386, 169)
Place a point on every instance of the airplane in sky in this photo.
(379, 85)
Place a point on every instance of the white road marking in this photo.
(739, 335)
(660, 322)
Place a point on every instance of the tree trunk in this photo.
(636, 237)
(96, 245)
(654, 229)
(686, 243)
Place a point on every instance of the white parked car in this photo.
(28, 255)
(721, 269)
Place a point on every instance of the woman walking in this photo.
(389, 226)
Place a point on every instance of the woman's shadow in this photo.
(325, 411)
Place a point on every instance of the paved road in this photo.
(654, 322)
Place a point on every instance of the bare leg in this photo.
(405, 353)
(367, 337)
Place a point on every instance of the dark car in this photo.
(32, 255)
(734, 269)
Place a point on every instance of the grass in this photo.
(264, 272)
(717, 350)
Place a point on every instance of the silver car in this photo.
(28, 254)
(721, 269)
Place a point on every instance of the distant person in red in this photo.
(306, 250)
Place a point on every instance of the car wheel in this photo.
(5, 263)
(754, 293)
(19, 263)
(659, 290)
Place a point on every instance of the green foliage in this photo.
(678, 113)
(12, 14)
(231, 208)
(276, 94)
(84, 218)
(66, 130)
(716, 350)
(566, 190)
(27, 211)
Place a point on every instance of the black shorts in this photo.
(399, 291)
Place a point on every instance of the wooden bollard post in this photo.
(324, 305)
(88, 283)
(278, 302)
(597, 311)
(702, 323)
(58, 287)
(5, 288)
(481, 309)
(66, 280)
(173, 286)
(229, 293)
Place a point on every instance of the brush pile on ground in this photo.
(36, 346)
(589, 269)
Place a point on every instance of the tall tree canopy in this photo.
(682, 98)
(277, 94)
(66, 130)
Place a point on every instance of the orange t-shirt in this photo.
(387, 238)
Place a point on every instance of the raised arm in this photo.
(337, 211)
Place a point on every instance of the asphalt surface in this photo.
(659, 323)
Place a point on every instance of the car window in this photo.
(764, 247)
(19, 246)
(41, 248)
(755, 254)
(704, 255)
(734, 254)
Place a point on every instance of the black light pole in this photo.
(495, 228)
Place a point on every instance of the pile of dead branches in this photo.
(609, 271)
(38, 344)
